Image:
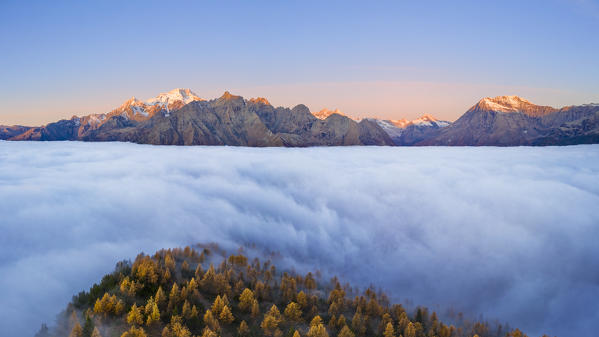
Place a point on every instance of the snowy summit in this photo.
(182, 95)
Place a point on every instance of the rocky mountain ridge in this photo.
(180, 117)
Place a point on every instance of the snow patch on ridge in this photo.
(137, 110)
(390, 128)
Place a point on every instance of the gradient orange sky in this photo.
(387, 59)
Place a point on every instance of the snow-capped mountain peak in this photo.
(511, 104)
(504, 104)
(134, 108)
(182, 95)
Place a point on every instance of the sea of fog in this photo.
(509, 233)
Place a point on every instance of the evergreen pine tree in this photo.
(217, 306)
(345, 332)
(77, 331)
(186, 310)
(194, 312)
(243, 330)
(160, 297)
(153, 314)
(135, 332)
(255, 309)
(246, 300)
(389, 331)
(96, 333)
(293, 312)
(209, 333)
(358, 324)
(410, 330)
(210, 321)
(135, 317)
(302, 299)
(226, 316)
(88, 327)
(271, 321)
(317, 330)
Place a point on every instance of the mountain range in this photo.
(180, 117)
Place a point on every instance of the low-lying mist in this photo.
(509, 233)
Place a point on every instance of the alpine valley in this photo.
(180, 117)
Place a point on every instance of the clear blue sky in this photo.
(389, 59)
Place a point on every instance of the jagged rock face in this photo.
(296, 121)
(510, 121)
(298, 127)
(7, 132)
(228, 120)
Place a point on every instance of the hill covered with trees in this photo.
(205, 292)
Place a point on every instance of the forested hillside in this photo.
(188, 292)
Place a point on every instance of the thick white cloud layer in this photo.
(511, 233)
